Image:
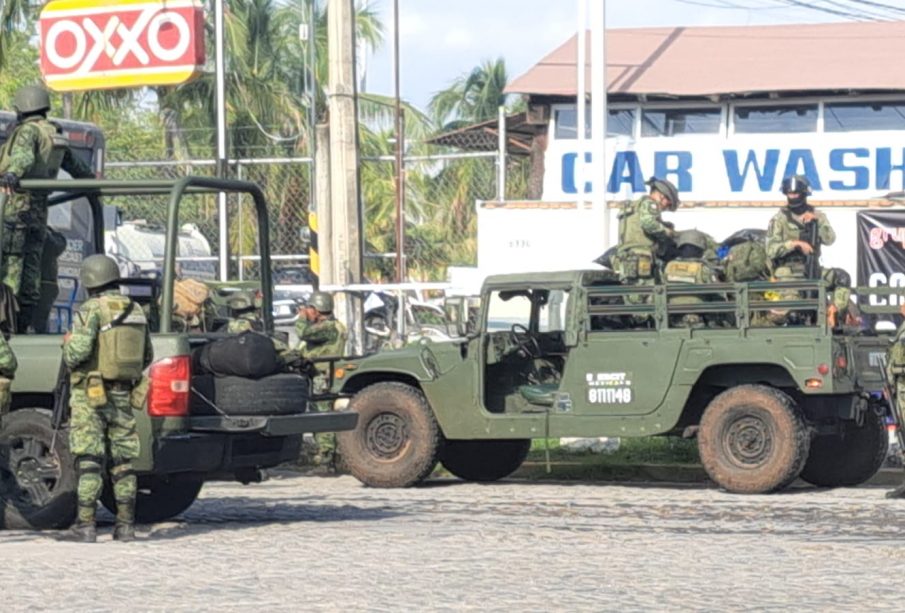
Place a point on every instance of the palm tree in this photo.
(472, 97)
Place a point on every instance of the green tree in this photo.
(471, 97)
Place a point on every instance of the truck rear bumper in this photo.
(227, 444)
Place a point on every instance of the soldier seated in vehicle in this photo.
(691, 267)
(244, 313)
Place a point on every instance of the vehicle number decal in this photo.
(609, 387)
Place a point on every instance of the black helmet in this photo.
(796, 184)
(666, 188)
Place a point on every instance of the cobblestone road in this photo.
(331, 544)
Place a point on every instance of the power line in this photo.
(863, 12)
(826, 9)
(890, 7)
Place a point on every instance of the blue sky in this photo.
(442, 39)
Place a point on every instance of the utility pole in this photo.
(345, 193)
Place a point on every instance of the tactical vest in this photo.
(631, 236)
(48, 155)
(685, 271)
(121, 339)
(747, 261)
(336, 348)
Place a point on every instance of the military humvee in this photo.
(185, 441)
(578, 354)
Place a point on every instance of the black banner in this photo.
(881, 252)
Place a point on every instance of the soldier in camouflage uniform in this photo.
(690, 267)
(35, 150)
(8, 363)
(321, 335)
(243, 310)
(786, 246)
(107, 350)
(895, 374)
(643, 233)
(54, 246)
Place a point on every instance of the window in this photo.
(507, 308)
(671, 122)
(850, 116)
(775, 119)
(620, 122)
(552, 314)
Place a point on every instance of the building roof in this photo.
(484, 136)
(706, 61)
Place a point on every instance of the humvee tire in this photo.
(37, 487)
(483, 460)
(849, 459)
(397, 438)
(753, 440)
(157, 499)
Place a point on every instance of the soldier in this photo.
(323, 335)
(643, 233)
(786, 244)
(107, 350)
(54, 246)
(691, 266)
(35, 150)
(243, 310)
(8, 363)
(895, 375)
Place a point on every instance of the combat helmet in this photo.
(241, 302)
(98, 270)
(695, 238)
(31, 99)
(322, 302)
(666, 188)
(796, 184)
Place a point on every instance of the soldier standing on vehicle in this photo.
(690, 267)
(787, 246)
(35, 150)
(643, 233)
(8, 363)
(323, 336)
(107, 350)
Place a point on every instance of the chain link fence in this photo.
(440, 227)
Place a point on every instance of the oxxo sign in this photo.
(91, 44)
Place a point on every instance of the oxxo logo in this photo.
(93, 45)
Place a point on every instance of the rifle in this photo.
(60, 402)
(812, 263)
(890, 395)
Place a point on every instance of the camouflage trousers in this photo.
(23, 246)
(899, 387)
(92, 429)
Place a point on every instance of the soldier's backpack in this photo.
(746, 259)
(250, 355)
(121, 339)
(188, 297)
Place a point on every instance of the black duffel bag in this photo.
(249, 354)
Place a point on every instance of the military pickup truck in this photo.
(185, 439)
(577, 354)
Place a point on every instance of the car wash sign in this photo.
(106, 44)
(739, 170)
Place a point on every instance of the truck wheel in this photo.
(37, 487)
(158, 499)
(397, 438)
(850, 458)
(487, 460)
(753, 440)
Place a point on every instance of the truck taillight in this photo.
(168, 394)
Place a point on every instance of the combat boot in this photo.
(82, 532)
(124, 532)
(899, 492)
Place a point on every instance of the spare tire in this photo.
(283, 394)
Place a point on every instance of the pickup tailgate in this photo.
(869, 354)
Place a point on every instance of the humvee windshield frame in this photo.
(65, 190)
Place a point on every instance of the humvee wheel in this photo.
(37, 486)
(850, 458)
(753, 440)
(397, 438)
(487, 460)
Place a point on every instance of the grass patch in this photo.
(632, 451)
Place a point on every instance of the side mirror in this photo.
(456, 308)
